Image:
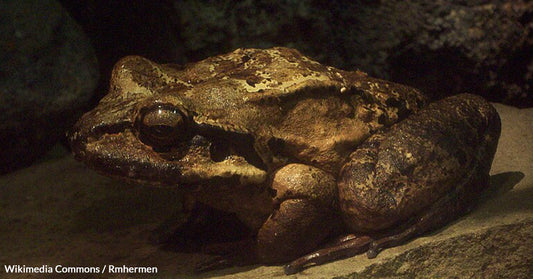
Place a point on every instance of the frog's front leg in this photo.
(304, 214)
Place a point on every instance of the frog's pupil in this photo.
(161, 131)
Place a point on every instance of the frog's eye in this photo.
(161, 126)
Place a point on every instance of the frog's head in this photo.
(144, 132)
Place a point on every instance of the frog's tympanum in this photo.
(312, 159)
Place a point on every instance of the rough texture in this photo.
(442, 47)
(59, 212)
(47, 75)
(447, 47)
(412, 168)
(499, 252)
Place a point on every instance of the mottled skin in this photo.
(399, 171)
(295, 149)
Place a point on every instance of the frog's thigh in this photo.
(306, 196)
(422, 173)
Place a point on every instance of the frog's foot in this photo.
(390, 241)
(347, 246)
(304, 215)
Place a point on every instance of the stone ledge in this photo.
(499, 252)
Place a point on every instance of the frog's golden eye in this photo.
(161, 126)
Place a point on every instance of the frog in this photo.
(318, 163)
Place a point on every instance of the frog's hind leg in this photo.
(439, 214)
(414, 177)
(421, 173)
(448, 208)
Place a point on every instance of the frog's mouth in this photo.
(203, 156)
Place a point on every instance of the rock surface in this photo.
(60, 213)
(504, 251)
(47, 75)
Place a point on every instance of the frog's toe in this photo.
(373, 250)
(346, 246)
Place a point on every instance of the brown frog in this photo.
(298, 151)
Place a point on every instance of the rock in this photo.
(498, 252)
(48, 74)
(443, 47)
(450, 47)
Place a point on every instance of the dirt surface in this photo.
(58, 212)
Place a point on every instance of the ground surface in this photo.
(58, 212)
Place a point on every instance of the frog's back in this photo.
(304, 110)
(310, 112)
(245, 89)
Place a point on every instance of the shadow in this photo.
(206, 226)
(217, 240)
(502, 198)
(500, 184)
(498, 192)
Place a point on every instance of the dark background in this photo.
(441, 47)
